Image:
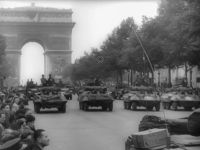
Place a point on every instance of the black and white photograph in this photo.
(99, 74)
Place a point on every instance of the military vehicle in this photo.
(49, 97)
(180, 97)
(90, 96)
(141, 96)
(68, 91)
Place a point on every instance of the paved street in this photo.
(93, 130)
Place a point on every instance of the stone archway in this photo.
(50, 27)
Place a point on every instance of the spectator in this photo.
(8, 117)
(11, 144)
(10, 140)
(41, 140)
(30, 122)
(2, 121)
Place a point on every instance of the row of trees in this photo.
(170, 39)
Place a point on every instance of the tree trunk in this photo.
(169, 76)
(121, 77)
(191, 77)
(117, 78)
(131, 77)
(186, 70)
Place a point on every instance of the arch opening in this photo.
(32, 62)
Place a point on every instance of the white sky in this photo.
(94, 19)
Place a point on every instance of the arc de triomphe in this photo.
(50, 27)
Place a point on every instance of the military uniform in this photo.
(43, 81)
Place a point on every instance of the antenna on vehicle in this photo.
(152, 69)
(144, 50)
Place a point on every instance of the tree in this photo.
(2, 48)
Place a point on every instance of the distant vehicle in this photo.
(49, 97)
(141, 96)
(68, 91)
(175, 98)
(95, 96)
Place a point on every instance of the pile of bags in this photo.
(189, 125)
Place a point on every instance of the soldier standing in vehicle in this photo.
(50, 81)
(43, 81)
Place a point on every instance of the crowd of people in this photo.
(17, 125)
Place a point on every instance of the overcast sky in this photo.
(95, 19)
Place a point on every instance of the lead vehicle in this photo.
(49, 97)
(95, 96)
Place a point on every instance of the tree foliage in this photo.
(170, 39)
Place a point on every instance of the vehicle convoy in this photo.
(180, 97)
(95, 96)
(141, 96)
(49, 97)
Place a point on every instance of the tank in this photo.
(95, 96)
(49, 97)
(137, 97)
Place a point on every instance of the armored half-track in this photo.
(49, 97)
(95, 96)
(176, 98)
(141, 97)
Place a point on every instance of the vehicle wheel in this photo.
(150, 108)
(188, 108)
(167, 105)
(85, 106)
(63, 108)
(37, 108)
(134, 106)
(125, 105)
(104, 108)
(157, 107)
(128, 106)
(174, 105)
(70, 97)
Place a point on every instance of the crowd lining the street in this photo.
(17, 124)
